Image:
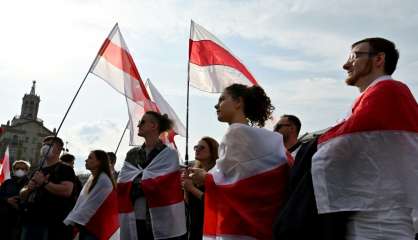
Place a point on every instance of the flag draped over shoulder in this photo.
(369, 162)
(245, 189)
(97, 210)
(5, 167)
(213, 67)
(164, 196)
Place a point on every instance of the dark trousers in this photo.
(43, 231)
(144, 232)
(84, 234)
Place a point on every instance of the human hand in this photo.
(187, 184)
(32, 185)
(198, 176)
(13, 201)
(39, 178)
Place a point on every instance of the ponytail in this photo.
(257, 105)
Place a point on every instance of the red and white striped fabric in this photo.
(115, 65)
(245, 189)
(212, 66)
(164, 196)
(97, 210)
(369, 162)
(165, 108)
(5, 167)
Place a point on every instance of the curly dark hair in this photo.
(257, 105)
(164, 123)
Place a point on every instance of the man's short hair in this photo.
(55, 140)
(378, 45)
(112, 157)
(67, 158)
(26, 163)
(294, 120)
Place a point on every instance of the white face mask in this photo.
(20, 173)
(45, 149)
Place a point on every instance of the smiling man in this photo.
(367, 163)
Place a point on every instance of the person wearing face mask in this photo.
(9, 200)
(48, 196)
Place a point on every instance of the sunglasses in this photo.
(278, 126)
(198, 147)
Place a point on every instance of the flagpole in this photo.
(66, 113)
(121, 137)
(186, 156)
(72, 101)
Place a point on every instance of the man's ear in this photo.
(380, 60)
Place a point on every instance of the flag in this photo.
(212, 66)
(368, 162)
(97, 210)
(161, 106)
(5, 167)
(164, 196)
(115, 65)
(165, 108)
(245, 189)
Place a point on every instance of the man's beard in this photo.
(351, 81)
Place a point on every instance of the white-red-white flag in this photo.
(212, 66)
(97, 210)
(369, 161)
(160, 183)
(115, 65)
(5, 167)
(246, 187)
(161, 106)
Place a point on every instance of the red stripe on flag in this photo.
(163, 190)
(105, 221)
(247, 207)
(124, 197)
(121, 59)
(207, 52)
(388, 105)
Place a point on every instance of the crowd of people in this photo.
(355, 180)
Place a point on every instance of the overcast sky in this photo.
(295, 49)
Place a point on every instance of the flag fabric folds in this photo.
(368, 162)
(212, 66)
(164, 196)
(165, 108)
(245, 189)
(97, 210)
(115, 65)
(5, 167)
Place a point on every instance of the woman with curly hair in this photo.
(244, 190)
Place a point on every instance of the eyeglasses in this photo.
(278, 126)
(198, 147)
(354, 55)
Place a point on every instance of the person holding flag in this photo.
(95, 213)
(151, 202)
(367, 164)
(245, 188)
